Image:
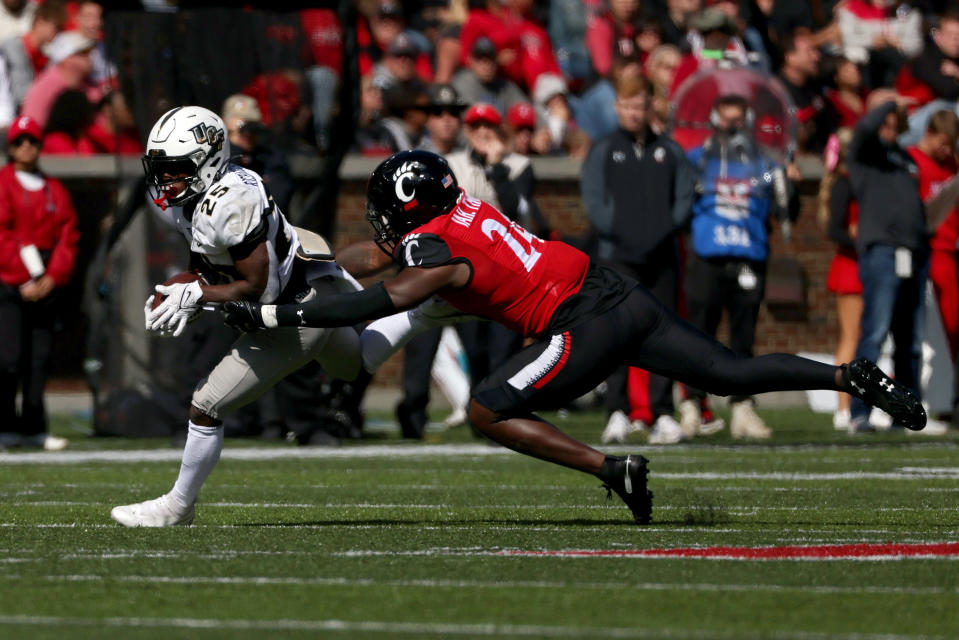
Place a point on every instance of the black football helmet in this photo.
(406, 190)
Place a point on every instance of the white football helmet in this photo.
(186, 143)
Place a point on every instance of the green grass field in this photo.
(404, 540)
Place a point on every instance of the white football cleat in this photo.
(690, 417)
(840, 420)
(709, 428)
(691, 420)
(160, 512)
(744, 423)
(665, 431)
(618, 428)
(46, 441)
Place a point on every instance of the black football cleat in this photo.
(866, 381)
(627, 477)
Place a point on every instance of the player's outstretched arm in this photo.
(411, 287)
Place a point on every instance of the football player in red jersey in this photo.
(585, 320)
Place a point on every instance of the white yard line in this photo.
(725, 508)
(494, 584)
(441, 629)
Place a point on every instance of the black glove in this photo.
(243, 315)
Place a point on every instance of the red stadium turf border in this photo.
(811, 552)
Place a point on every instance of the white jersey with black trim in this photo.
(236, 210)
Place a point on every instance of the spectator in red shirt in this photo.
(113, 129)
(38, 248)
(845, 102)
(936, 158)
(66, 132)
(523, 47)
(612, 35)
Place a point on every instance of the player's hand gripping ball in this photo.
(174, 304)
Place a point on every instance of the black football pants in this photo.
(641, 332)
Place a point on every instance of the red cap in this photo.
(24, 125)
(483, 112)
(521, 115)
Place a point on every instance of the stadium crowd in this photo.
(491, 83)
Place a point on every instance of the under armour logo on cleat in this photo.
(886, 384)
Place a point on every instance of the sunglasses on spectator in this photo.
(19, 140)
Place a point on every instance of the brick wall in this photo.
(813, 328)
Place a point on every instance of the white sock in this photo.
(200, 455)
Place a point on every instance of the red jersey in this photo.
(932, 177)
(518, 280)
(44, 218)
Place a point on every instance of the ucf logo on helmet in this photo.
(399, 177)
(205, 133)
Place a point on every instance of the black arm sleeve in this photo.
(839, 198)
(339, 310)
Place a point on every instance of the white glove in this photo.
(177, 309)
(147, 310)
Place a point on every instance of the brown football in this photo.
(186, 276)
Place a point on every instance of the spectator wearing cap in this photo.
(550, 100)
(249, 144)
(375, 34)
(406, 114)
(69, 68)
(38, 248)
(522, 46)
(24, 55)
(521, 127)
(482, 80)
(487, 170)
(398, 65)
(443, 122)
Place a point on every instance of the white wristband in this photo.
(268, 313)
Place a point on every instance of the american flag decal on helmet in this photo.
(447, 181)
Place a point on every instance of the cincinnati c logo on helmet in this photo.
(401, 175)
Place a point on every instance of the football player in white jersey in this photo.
(245, 249)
